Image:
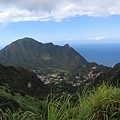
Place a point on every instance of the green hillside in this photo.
(20, 88)
(87, 92)
(112, 77)
(21, 80)
(31, 54)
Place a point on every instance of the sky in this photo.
(60, 21)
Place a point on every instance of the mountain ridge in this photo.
(21, 80)
(110, 77)
(31, 54)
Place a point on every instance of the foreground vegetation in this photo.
(101, 103)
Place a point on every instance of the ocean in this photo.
(105, 54)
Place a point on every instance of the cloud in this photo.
(66, 40)
(99, 38)
(56, 10)
(69, 39)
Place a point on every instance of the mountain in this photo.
(21, 81)
(20, 88)
(111, 77)
(32, 54)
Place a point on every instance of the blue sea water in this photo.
(105, 54)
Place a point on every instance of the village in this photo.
(76, 80)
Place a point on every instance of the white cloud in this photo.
(99, 38)
(69, 39)
(66, 40)
(45, 10)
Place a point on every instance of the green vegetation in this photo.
(101, 103)
(31, 54)
(20, 88)
(20, 101)
(18, 79)
(17, 115)
(23, 96)
(112, 77)
(16, 100)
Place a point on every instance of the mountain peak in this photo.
(32, 54)
(26, 40)
(66, 45)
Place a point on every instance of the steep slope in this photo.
(20, 88)
(111, 77)
(21, 81)
(32, 54)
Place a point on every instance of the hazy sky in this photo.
(60, 21)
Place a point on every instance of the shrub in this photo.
(101, 103)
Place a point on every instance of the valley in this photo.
(36, 77)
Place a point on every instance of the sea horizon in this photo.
(106, 54)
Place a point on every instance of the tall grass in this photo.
(18, 115)
(61, 108)
(102, 103)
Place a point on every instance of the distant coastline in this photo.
(105, 54)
